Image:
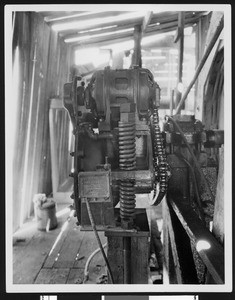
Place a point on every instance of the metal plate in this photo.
(94, 184)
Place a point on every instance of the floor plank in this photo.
(29, 259)
(58, 243)
(76, 276)
(30, 249)
(89, 245)
(69, 251)
(52, 276)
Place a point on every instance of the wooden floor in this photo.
(58, 256)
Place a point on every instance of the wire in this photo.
(86, 271)
(193, 156)
(98, 239)
(196, 188)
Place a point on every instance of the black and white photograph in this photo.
(118, 149)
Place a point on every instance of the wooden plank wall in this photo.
(44, 68)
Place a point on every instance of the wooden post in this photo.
(218, 219)
(202, 63)
(54, 156)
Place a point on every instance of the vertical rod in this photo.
(136, 58)
(171, 102)
(127, 259)
(181, 55)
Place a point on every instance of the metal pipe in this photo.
(199, 202)
(181, 54)
(136, 58)
(201, 64)
(127, 259)
(171, 102)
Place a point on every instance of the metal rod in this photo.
(127, 259)
(202, 63)
(181, 55)
(172, 102)
(136, 58)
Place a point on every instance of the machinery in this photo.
(119, 152)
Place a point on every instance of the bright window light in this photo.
(153, 57)
(188, 30)
(122, 46)
(88, 37)
(91, 55)
(174, 51)
(128, 45)
(156, 37)
(164, 71)
(156, 51)
(171, 64)
(202, 245)
(165, 78)
(97, 21)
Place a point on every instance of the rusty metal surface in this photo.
(94, 184)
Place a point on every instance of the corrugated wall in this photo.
(43, 70)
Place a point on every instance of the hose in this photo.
(193, 157)
(86, 271)
(98, 239)
(195, 187)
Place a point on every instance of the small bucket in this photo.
(46, 215)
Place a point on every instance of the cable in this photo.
(196, 188)
(86, 271)
(98, 239)
(193, 156)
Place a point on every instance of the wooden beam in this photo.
(146, 21)
(81, 16)
(218, 218)
(158, 29)
(135, 21)
(92, 34)
(180, 28)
